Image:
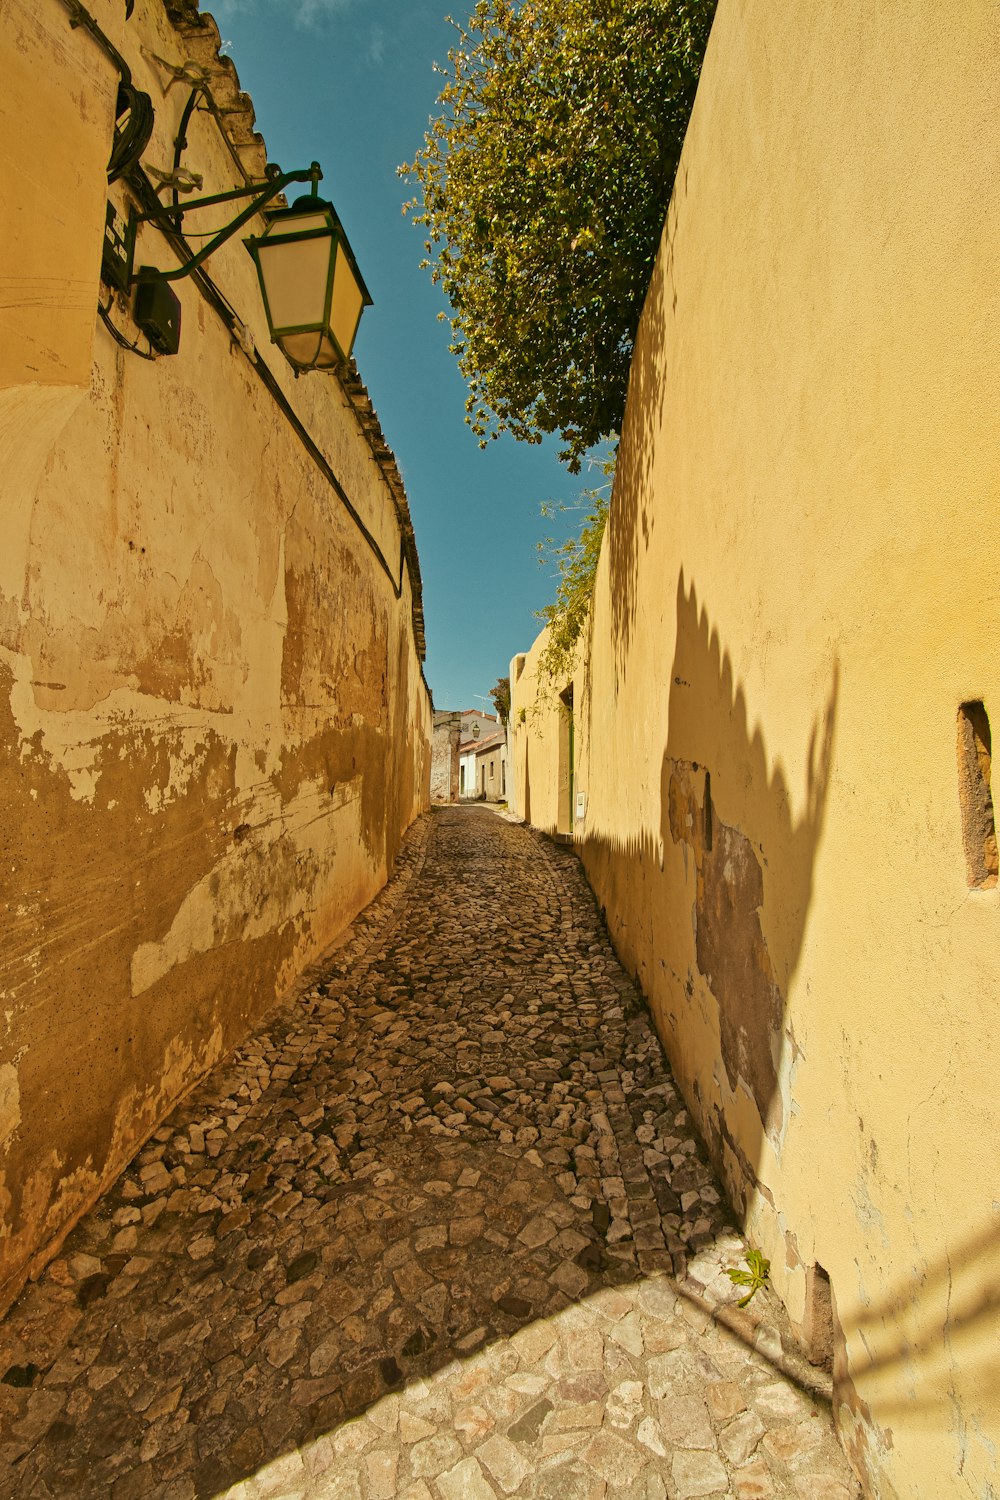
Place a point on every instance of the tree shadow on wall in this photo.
(632, 512)
(712, 917)
(711, 914)
(752, 879)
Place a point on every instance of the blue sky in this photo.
(351, 84)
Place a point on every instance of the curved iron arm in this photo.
(262, 193)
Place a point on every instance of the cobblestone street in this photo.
(440, 1230)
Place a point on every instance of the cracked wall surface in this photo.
(214, 728)
(797, 595)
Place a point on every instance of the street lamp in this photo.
(313, 292)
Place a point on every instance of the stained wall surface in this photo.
(786, 809)
(447, 732)
(214, 728)
(542, 753)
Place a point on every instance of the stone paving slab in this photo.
(441, 1230)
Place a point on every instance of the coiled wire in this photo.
(133, 128)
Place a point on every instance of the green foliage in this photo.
(576, 569)
(544, 186)
(755, 1278)
(500, 694)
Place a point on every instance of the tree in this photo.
(576, 562)
(544, 185)
(501, 698)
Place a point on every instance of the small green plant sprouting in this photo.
(756, 1278)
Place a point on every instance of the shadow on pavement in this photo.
(462, 1130)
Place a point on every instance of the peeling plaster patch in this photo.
(868, 1216)
(38, 1208)
(10, 1103)
(788, 1063)
(729, 940)
(185, 768)
(269, 878)
(74, 741)
(52, 1200)
(141, 1108)
(79, 762)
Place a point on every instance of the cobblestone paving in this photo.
(441, 1230)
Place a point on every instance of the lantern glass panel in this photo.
(295, 275)
(348, 301)
(314, 351)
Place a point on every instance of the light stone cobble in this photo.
(440, 1230)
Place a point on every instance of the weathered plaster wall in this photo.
(539, 768)
(798, 591)
(444, 756)
(214, 728)
(51, 226)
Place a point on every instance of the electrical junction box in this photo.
(116, 252)
(158, 313)
(581, 805)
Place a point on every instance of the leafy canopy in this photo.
(544, 186)
(500, 694)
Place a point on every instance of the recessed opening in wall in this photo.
(975, 796)
(818, 1327)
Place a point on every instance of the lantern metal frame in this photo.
(261, 194)
(310, 204)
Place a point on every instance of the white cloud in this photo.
(376, 44)
(310, 13)
(305, 15)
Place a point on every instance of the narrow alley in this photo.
(440, 1230)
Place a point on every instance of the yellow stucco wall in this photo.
(214, 728)
(798, 591)
(541, 744)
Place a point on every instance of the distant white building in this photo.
(482, 768)
(453, 728)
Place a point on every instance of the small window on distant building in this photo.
(492, 773)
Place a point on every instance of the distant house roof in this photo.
(477, 747)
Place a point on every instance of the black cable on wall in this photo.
(127, 149)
